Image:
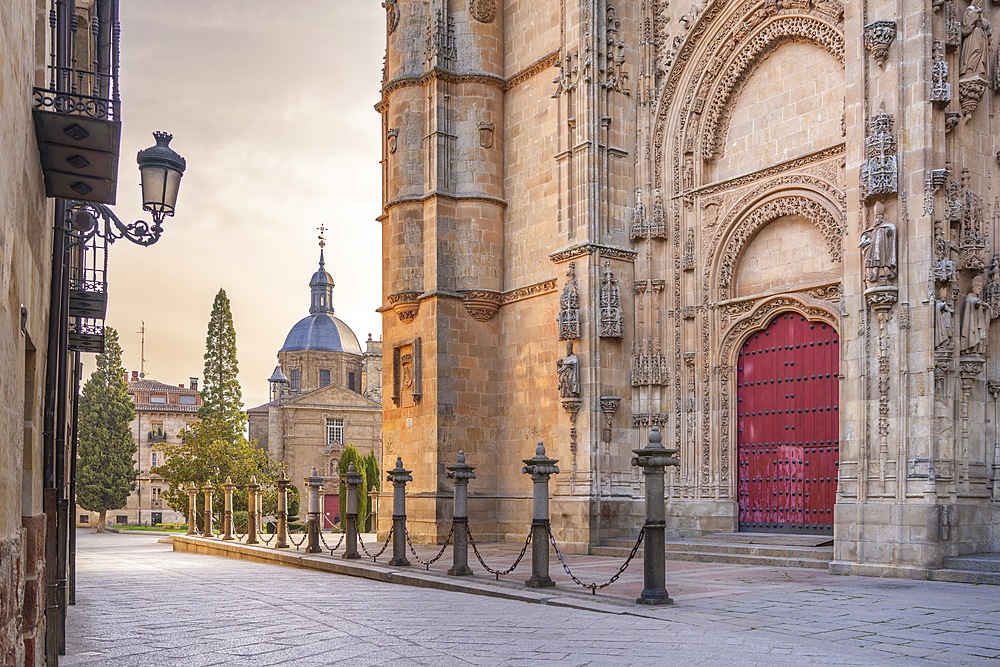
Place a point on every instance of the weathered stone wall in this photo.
(724, 162)
(25, 261)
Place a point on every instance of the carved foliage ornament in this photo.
(878, 38)
(483, 11)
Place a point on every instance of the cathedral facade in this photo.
(766, 227)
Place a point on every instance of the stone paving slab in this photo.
(139, 603)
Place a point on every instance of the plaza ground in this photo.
(141, 603)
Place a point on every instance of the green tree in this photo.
(222, 398)
(105, 467)
(367, 467)
(208, 452)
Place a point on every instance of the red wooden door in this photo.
(788, 427)
(331, 510)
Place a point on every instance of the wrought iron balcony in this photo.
(86, 335)
(77, 115)
(156, 436)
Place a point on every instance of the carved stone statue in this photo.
(974, 56)
(976, 316)
(878, 247)
(944, 321)
(569, 373)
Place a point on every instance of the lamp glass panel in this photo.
(153, 187)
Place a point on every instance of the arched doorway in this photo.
(788, 427)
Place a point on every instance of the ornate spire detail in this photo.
(321, 284)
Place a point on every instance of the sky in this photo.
(271, 103)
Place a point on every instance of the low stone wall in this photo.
(22, 602)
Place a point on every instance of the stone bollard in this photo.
(461, 473)
(252, 489)
(353, 481)
(399, 476)
(192, 492)
(315, 483)
(653, 459)
(282, 539)
(227, 508)
(540, 467)
(208, 489)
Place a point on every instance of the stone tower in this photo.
(767, 227)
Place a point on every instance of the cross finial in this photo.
(322, 241)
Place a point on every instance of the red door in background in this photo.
(788, 427)
(331, 510)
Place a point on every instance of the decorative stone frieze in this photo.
(880, 170)
(640, 419)
(879, 35)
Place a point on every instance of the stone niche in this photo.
(787, 252)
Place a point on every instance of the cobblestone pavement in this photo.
(139, 603)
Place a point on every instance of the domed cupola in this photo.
(321, 331)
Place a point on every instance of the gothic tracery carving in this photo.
(940, 85)
(569, 306)
(612, 318)
(879, 171)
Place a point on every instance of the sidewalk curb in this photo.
(395, 575)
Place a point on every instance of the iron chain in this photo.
(384, 546)
(595, 586)
(427, 563)
(497, 573)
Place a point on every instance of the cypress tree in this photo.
(352, 455)
(106, 472)
(222, 398)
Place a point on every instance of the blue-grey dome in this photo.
(323, 332)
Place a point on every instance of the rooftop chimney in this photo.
(194, 384)
(135, 376)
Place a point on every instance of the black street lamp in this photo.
(161, 169)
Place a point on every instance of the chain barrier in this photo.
(497, 573)
(334, 547)
(300, 542)
(266, 540)
(388, 538)
(237, 533)
(595, 586)
(427, 563)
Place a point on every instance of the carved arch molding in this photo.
(731, 249)
(759, 317)
(707, 80)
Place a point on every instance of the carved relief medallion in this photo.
(483, 11)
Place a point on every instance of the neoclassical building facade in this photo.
(768, 228)
(325, 394)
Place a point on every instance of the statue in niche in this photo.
(976, 316)
(878, 247)
(569, 373)
(944, 320)
(974, 55)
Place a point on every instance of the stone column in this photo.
(208, 489)
(652, 459)
(540, 467)
(192, 492)
(227, 508)
(353, 480)
(314, 482)
(252, 516)
(282, 539)
(399, 476)
(461, 472)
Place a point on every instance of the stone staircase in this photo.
(971, 569)
(764, 549)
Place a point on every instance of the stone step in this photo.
(777, 539)
(974, 562)
(721, 552)
(965, 576)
